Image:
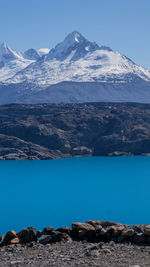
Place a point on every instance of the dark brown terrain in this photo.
(49, 131)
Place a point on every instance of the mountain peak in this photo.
(31, 54)
(74, 42)
(74, 37)
(6, 53)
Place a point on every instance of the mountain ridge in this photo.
(74, 60)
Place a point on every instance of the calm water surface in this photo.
(58, 192)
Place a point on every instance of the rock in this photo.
(58, 237)
(82, 231)
(147, 230)
(98, 229)
(48, 230)
(27, 235)
(120, 239)
(147, 239)
(1, 240)
(8, 237)
(139, 238)
(39, 234)
(66, 238)
(110, 230)
(82, 234)
(66, 230)
(45, 239)
(103, 223)
(82, 226)
(14, 241)
(117, 231)
(128, 232)
(102, 236)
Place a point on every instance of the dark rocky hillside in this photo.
(47, 131)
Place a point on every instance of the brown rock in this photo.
(27, 235)
(82, 226)
(103, 223)
(14, 241)
(65, 237)
(117, 231)
(66, 230)
(8, 237)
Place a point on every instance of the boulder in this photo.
(139, 238)
(27, 235)
(39, 233)
(8, 237)
(128, 232)
(102, 236)
(82, 226)
(45, 239)
(48, 230)
(146, 230)
(58, 237)
(103, 223)
(82, 231)
(120, 238)
(98, 229)
(110, 230)
(117, 231)
(14, 241)
(66, 230)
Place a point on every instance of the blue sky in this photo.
(124, 25)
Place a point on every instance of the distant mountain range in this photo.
(76, 70)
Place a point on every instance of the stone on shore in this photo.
(48, 230)
(45, 239)
(8, 237)
(147, 230)
(139, 238)
(27, 235)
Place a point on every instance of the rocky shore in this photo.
(94, 243)
(50, 131)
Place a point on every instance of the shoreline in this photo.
(94, 243)
(90, 231)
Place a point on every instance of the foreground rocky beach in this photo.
(94, 243)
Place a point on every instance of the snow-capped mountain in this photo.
(76, 70)
(76, 59)
(11, 62)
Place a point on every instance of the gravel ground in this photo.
(76, 254)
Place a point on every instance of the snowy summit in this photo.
(80, 62)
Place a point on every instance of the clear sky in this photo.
(124, 25)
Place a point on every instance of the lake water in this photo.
(58, 192)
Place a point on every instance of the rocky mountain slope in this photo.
(76, 70)
(48, 131)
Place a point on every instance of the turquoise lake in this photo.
(58, 192)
